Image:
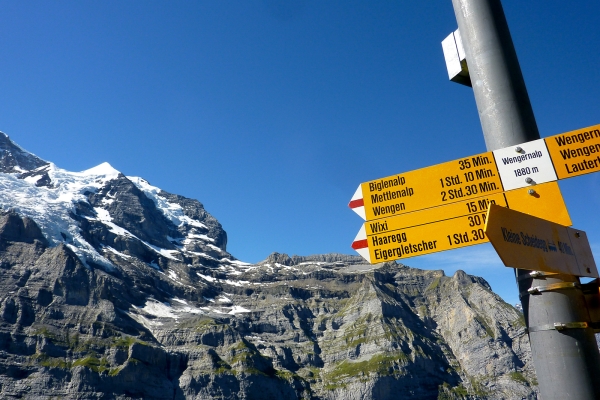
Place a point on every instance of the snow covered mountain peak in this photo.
(15, 159)
(105, 217)
(104, 169)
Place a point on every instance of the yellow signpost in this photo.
(557, 157)
(527, 242)
(429, 187)
(444, 206)
(575, 153)
(451, 226)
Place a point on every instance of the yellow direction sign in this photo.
(442, 207)
(433, 186)
(575, 153)
(451, 226)
(527, 242)
(525, 165)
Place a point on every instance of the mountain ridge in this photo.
(113, 288)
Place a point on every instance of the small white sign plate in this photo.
(532, 161)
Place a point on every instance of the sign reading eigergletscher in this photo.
(451, 226)
(423, 211)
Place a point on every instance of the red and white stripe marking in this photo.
(357, 204)
(361, 245)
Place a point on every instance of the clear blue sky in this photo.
(272, 112)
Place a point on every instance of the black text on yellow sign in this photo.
(557, 157)
(432, 186)
(575, 153)
(527, 242)
(430, 238)
(452, 226)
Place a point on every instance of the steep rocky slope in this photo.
(113, 289)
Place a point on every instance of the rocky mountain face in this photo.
(111, 288)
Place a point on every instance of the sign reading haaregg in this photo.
(451, 226)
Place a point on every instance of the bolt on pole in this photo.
(567, 361)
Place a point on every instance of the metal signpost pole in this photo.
(565, 354)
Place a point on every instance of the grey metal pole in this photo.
(567, 361)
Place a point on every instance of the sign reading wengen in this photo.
(575, 153)
(452, 226)
(427, 206)
(428, 187)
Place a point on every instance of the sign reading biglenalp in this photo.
(451, 226)
(437, 208)
(539, 161)
(428, 187)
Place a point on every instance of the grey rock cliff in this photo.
(317, 330)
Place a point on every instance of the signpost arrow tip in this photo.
(357, 204)
(361, 245)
